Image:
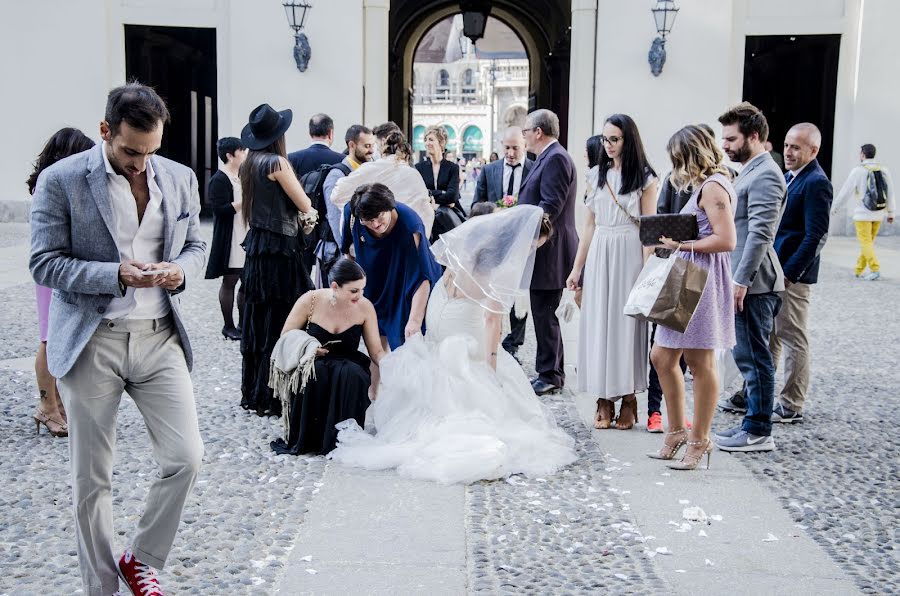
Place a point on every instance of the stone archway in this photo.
(543, 26)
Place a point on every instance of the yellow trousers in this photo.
(865, 233)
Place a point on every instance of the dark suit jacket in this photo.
(446, 191)
(489, 186)
(551, 185)
(307, 160)
(804, 224)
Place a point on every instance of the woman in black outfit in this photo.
(274, 274)
(226, 255)
(441, 176)
(339, 389)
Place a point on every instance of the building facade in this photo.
(63, 57)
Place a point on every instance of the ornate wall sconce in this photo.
(664, 14)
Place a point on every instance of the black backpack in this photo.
(314, 186)
(876, 193)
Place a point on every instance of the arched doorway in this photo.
(469, 88)
(542, 25)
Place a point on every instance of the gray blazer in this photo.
(489, 186)
(73, 250)
(760, 193)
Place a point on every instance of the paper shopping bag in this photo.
(667, 292)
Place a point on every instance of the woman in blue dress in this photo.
(391, 246)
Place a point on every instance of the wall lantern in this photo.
(475, 14)
(664, 14)
(296, 11)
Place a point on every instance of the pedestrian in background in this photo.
(50, 412)
(862, 183)
(226, 255)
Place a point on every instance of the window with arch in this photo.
(442, 89)
(468, 86)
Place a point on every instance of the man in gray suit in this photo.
(756, 272)
(497, 180)
(115, 233)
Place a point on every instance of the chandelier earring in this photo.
(333, 299)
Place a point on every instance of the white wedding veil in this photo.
(403, 180)
(491, 257)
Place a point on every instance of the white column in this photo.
(581, 80)
(375, 57)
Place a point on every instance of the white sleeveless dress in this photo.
(443, 414)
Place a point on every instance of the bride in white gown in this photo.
(453, 406)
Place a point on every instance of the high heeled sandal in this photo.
(603, 418)
(690, 461)
(668, 450)
(54, 427)
(628, 414)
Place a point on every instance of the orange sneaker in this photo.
(654, 423)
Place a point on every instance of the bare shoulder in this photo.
(713, 196)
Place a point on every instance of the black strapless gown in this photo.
(339, 391)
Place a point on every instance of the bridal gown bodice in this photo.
(444, 414)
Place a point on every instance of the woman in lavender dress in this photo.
(50, 411)
(698, 162)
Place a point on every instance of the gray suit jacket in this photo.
(489, 186)
(760, 193)
(73, 250)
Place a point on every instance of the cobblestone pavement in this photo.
(571, 533)
(837, 473)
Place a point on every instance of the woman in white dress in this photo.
(392, 170)
(452, 406)
(612, 347)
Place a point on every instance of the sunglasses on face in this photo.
(610, 140)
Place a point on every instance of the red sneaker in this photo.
(141, 579)
(654, 423)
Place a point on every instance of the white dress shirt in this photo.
(794, 174)
(508, 171)
(141, 241)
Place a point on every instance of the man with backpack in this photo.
(872, 191)
(319, 184)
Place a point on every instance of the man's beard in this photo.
(740, 155)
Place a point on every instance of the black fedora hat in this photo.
(265, 126)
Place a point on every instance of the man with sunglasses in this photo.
(551, 184)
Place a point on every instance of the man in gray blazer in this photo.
(758, 278)
(497, 180)
(115, 233)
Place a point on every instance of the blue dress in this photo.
(395, 269)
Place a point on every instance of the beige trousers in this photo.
(143, 358)
(791, 334)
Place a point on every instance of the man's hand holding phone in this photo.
(147, 275)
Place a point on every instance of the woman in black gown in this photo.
(274, 275)
(338, 317)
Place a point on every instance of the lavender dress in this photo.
(712, 326)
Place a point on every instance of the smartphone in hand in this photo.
(146, 272)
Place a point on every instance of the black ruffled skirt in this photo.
(273, 279)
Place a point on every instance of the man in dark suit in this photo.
(321, 131)
(551, 184)
(800, 238)
(498, 179)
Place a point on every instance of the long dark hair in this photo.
(635, 166)
(258, 163)
(594, 148)
(63, 143)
